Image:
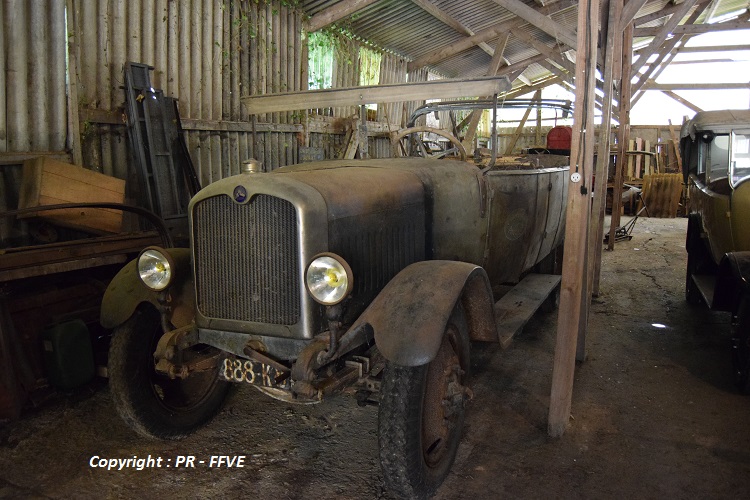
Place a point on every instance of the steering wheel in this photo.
(403, 140)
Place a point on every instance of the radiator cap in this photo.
(251, 166)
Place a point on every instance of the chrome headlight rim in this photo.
(316, 293)
(161, 255)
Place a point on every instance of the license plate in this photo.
(253, 372)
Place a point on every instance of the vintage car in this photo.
(715, 147)
(367, 275)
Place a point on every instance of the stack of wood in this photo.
(661, 194)
(641, 160)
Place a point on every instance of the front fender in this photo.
(410, 314)
(126, 291)
(732, 280)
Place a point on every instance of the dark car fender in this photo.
(409, 315)
(732, 280)
(126, 292)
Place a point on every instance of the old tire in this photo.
(421, 415)
(151, 403)
(741, 345)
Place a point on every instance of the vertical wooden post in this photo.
(614, 39)
(623, 133)
(577, 220)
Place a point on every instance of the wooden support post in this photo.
(574, 273)
(614, 38)
(623, 133)
(364, 150)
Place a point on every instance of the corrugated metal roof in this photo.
(403, 27)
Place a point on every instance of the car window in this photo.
(718, 158)
(740, 157)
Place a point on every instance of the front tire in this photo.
(421, 415)
(151, 403)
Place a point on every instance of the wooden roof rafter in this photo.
(447, 19)
(447, 51)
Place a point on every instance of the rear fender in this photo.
(732, 280)
(126, 292)
(409, 315)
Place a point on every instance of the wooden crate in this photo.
(49, 182)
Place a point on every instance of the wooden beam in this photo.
(668, 10)
(695, 29)
(664, 31)
(573, 309)
(492, 70)
(373, 94)
(623, 133)
(336, 12)
(651, 85)
(676, 144)
(663, 60)
(716, 48)
(513, 140)
(682, 101)
(552, 52)
(612, 48)
(544, 23)
(628, 14)
(512, 94)
(446, 18)
(495, 31)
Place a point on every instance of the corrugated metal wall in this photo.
(33, 111)
(205, 53)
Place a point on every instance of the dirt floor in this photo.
(654, 415)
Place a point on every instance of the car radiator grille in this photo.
(247, 259)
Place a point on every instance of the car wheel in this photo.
(421, 415)
(741, 345)
(150, 402)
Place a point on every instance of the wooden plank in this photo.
(74, 124)
(17, 158)
(651, 85)
(696, 29)
(544, 23)
(442, 53)
(49, 182)
(375, 94)
(573, 307)
(516, 307)
(676, 144)
(336, 12)
(682, 101)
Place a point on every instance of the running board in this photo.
(516, 307)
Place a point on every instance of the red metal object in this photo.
(559, 137)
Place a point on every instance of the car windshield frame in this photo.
(739, 163)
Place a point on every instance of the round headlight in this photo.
(329, 279)
(155, 268)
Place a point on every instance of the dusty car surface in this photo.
(715, 149)
(367, 275)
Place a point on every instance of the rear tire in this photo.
(421, 415)
(151, 403)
